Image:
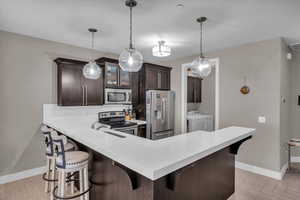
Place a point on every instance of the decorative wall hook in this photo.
(245, 89)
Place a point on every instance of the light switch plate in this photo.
(262, 119)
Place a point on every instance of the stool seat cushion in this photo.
(295, 140)
(296, 144)
(74, 159)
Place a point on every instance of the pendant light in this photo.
(161, 50)
(130, 59)
(91, 70)
(201, 66)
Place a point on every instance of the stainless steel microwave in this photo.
(117, 96)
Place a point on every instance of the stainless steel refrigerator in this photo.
(160, 112)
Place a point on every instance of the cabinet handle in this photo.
(82, 95)
(86, 98)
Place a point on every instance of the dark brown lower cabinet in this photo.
(142, 131)
(194, 90)
(73, 89)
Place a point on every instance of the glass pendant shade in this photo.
(161, 50)
(131, 60)
(91, 70)
(201, 66)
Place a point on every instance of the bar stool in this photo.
(70, 162)
(292, 143)
(50, 175)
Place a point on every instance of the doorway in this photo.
(185, 107)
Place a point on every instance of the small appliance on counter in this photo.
(117, 96)
(116, 121)
(160, 106)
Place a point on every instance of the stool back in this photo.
(48, 140)
(59, 146)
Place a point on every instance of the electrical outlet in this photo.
(262, 119)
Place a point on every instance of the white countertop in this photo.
(150, 158)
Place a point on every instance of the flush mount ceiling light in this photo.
(131, 60)
(201, 65)
(161, 50)
(91, 70)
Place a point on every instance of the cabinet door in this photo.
(163, 80)
(151, 79)
(124, 79)
(111, 75)
(190, 90)
(70, 90)
(197, 90)
(94, 91)
(134, 89)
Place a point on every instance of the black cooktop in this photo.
(120, 124)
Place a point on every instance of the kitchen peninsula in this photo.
(194, 166)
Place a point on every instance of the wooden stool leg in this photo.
(52, 172)
(86, 182)
(47, 175)
(72, 185)
(63, 183)
(81, 184)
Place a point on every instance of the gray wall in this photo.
(261, 63)
(295, 109)
(27, 81)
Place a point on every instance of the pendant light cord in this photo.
(93, 35)
(130, 27)
(201, 40)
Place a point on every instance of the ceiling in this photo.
(230, 23)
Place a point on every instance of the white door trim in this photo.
(184, 68)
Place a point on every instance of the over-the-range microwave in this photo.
(117, 96)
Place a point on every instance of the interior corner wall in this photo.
(260, 62)
(27, 81)
(285, 102)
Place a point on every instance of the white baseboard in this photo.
(262, 171)
(295, 159)
(21, 175)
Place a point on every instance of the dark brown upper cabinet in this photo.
(151, 77)
(115, 77)
(155, 77)
(194, 90)
(73, 89)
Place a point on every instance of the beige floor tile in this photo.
(249, 186)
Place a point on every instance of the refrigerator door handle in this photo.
(163, 109)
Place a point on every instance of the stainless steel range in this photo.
(116, 120)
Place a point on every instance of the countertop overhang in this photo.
(150, 158)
